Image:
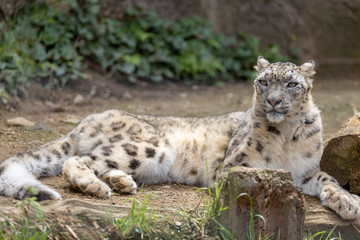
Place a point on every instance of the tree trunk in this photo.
(341, 157)
(274, 197)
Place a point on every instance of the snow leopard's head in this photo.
(282, 88)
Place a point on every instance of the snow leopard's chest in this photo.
(295, 148)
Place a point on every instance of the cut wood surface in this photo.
(341, 157)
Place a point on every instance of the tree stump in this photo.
(341, 157)
(274, 197)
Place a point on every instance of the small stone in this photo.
(127, 96)
(71, 119)
(166, 187)
(230, 95)
(79, 99)
(19, 121)
(107, 94)
(49, 104)
(54, 107)
(177, 223)
(183, 95)
(195, 87)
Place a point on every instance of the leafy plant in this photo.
(38, 45)
(16, 66)
(147, 46)
(47, 41)
(51, 43)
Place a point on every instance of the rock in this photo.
(127, 96)
(79, 100)
(274, 197)
(54, 107)
(195, 87)
(19, 121)
(71, 119)
(341, 157)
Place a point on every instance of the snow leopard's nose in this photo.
(274, 101)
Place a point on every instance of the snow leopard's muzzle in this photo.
(275, 103)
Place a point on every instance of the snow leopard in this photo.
(116, 150)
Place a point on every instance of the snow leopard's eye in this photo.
(263, 82)
(292, 84)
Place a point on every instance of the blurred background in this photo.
(196, 42)
(327, 31)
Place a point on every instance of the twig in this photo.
(355, 227)
(72, 232)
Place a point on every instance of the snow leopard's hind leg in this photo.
(332, 195)
(20, 172)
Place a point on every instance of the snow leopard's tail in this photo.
(19, 173)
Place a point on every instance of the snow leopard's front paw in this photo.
(94, 187)
(343, 203)
(120, 181)
(81, 177)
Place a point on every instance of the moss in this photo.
(346, 156)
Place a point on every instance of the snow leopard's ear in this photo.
(261, 64)
(308, 68)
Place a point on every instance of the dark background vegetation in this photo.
(202, 42)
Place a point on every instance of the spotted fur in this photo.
(116, 150)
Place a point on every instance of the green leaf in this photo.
(134, 59)
(38, 52)
(132, 79)
(126, 68)
(99, 51)
(67, 51)
(156, 78)
(60, 70)
(93, 9)
(3, 65)
(52, 34)
(73, 3)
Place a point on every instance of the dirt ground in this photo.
(338, 100)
